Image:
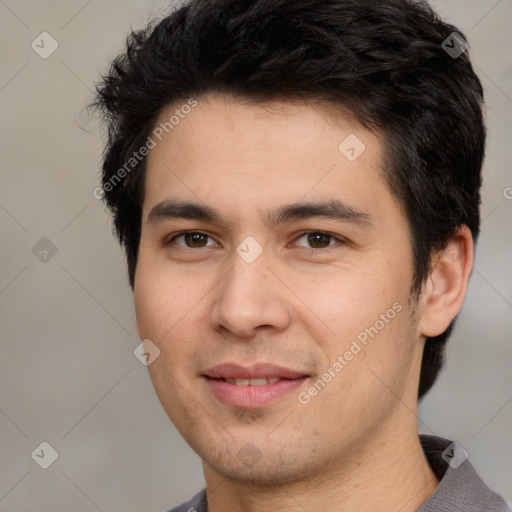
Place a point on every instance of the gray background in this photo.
(68, 375)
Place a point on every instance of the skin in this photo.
(354, 446)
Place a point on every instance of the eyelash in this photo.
(304, 233)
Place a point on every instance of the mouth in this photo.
(253, 382)
(252, 386)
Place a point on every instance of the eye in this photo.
(319, 240)
(192, 239)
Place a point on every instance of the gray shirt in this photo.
(460, 488)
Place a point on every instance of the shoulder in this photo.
(196, 504)
(460, 489)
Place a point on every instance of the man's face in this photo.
(253, 295)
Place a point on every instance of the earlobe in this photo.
(445, 289)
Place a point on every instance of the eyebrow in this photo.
(334, 209)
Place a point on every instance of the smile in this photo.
(254, 386)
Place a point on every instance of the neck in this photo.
(388, 473)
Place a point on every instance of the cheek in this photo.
(344, 303)
(167, 304)
(162, 298)
(165, 317)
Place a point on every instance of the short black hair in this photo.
(386, 62)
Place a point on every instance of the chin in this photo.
(273, 465)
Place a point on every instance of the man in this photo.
(297, 187)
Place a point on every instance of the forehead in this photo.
(219, 116)
(249, 154)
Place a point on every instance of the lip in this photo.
(255, 371)
(252, 396)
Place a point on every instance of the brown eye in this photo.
(193, 240)
(318, 240)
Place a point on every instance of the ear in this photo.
(445, 288)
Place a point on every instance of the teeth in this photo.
(258, 382)
(238, 382)
(253, 382)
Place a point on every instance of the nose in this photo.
(250, 298)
